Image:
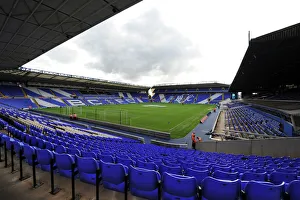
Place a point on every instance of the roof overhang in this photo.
(192, 86)
(32, 77)
(32, 27)
(270, 62)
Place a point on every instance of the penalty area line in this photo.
(183, 122)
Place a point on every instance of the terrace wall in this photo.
(265, 147)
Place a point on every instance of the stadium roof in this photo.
(270, 62)
(191, 86)
(29, 28)
(42, 78)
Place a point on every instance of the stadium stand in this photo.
(73, 147)
(247, 119)
(273, 95)
(204, 93)
(33, 97)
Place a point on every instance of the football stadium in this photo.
(65, 136)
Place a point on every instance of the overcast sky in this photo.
(170, 41)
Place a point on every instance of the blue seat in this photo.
(179, 187)
(287, 170)
(251, 176)
(262, 191)
(30, 155)
(146, 165)
(215, 189)
(89, 171)
(199, 175)
(125, 161)
(8, 145)
(89, 154)
(2, 136)
(73, 151)
(65, 164)
(241, 170)
(60, 149)
(67, 168)
(225, 175)
(186, 165)
(49, 146)
(200, 168)
(115, 177)
(87, 168)
(293, 191)
(260, 170)
(221, 168)
(46, 159)
(18, 148)
(33, 141)
(173, 170)
(107, 158)
(144, 183)
(27, 139)
(279, 177)
(41, 143)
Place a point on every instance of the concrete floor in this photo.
(13, 189)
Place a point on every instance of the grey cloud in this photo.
(62, 54)
(139, 47)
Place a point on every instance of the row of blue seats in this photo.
(268, 166)
(246, 119)
(146, 183)
(167, 156)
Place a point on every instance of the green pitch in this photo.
(176, 119)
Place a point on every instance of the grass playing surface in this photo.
(176, 119)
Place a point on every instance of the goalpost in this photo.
(113, 116)
(117, 116)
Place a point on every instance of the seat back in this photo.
(260, 191)
(88, 169)
(146, 165)
(33, 141)
(214, 189)
(221, 168)
(178, 187)
(279, 177)
(60, 149)
(49, 146)
(199, 175)
(73, 151)
(44, 156)
(293, 190)
(41, 143)
(87, 165)
(250, 176)
(114, 176)
(173, 170)
(17, 146)
(89, 154)
(225, 175)
(125, 161)
(9, 142)
(144, 183)
(28, 153)
(107, 158)
(64, 161)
